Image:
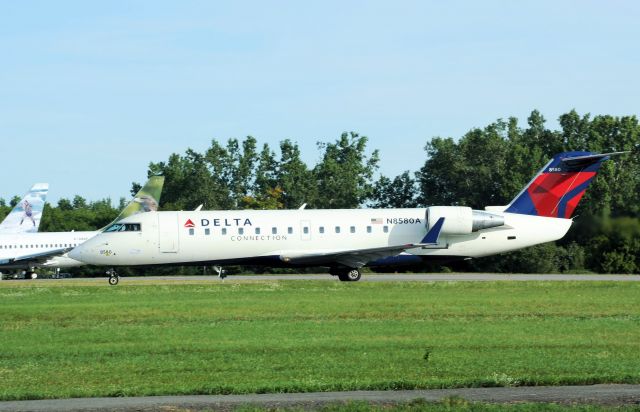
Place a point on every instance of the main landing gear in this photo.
(113, 277)
(346, 274)
(31, 273)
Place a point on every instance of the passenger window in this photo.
(368, 229)
(352, 229)
(224, 230)
(305, 230)
(337, 229)
(192, 231)
(240, 231)
(274, 231)
(207, 231)
(290, 230)
(385, 229)
(321, 228)
(257, 231)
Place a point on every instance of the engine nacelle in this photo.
(461, 220)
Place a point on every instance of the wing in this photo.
(357, 258)
(35, 258)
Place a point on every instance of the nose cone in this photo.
(86, 253)
(77, 252)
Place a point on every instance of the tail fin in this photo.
(146, 200)
(25, 216)
(556, 190)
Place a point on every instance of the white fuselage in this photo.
(260, 235)
(22, 246)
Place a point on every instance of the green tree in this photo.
(400, 192)
(297, 182)
(345, 172)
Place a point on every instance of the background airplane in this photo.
(346, 240)
(27, 251)
(26, 214)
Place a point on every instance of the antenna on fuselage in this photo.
(303, 206)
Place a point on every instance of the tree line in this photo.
(486, 166)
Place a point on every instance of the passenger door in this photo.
(169, 239)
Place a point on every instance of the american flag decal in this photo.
(376, 221)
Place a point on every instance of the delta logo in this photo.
(189, 223)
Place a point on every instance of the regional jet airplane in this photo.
(49, 249)
(346, 240)
(26, 214)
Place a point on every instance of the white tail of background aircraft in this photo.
(346, 240)
(28, 251)
(26, 215)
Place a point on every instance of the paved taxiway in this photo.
(371, 277)
(600, 394)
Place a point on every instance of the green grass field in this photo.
(75, 339)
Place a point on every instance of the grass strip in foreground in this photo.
(301, 336)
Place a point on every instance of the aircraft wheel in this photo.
(354, 275)
(114, 279)
(350, 275)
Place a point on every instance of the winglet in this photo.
(434, 233)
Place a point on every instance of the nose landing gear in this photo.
(113, 277)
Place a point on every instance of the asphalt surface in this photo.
(595, 394)
(375, 277)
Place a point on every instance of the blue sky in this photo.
(91, 92)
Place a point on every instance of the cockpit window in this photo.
(124, 227)
(114, 228)
(132, 227)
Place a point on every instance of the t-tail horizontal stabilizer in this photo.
(580, 162)
(431, 238)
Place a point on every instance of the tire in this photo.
(113, 280)
(354, 275)
(350, 275)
